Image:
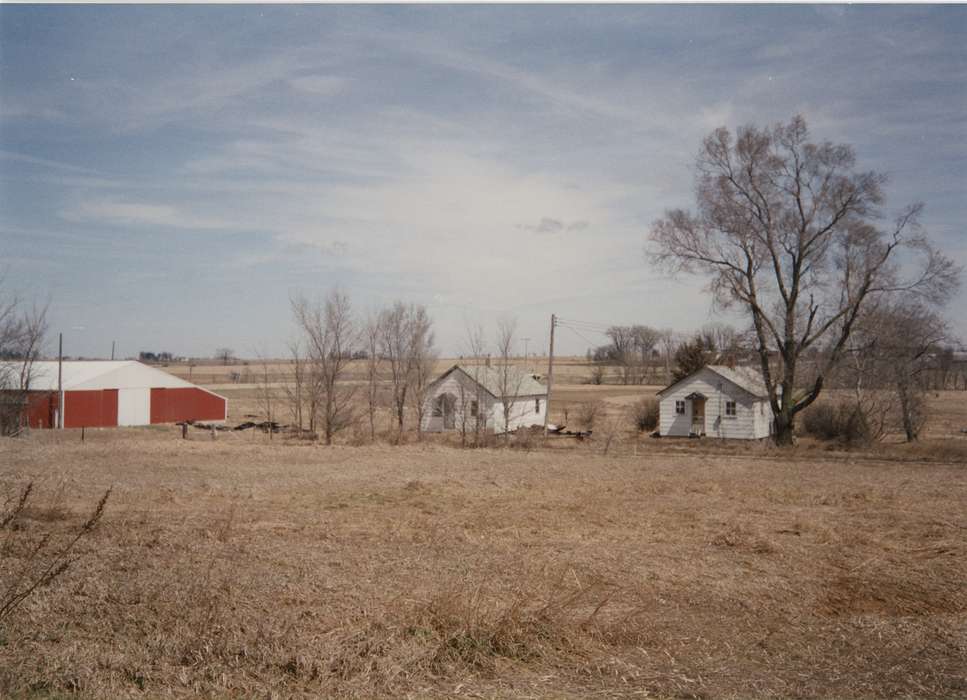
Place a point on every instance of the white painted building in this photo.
(717, 401)
(462, 396)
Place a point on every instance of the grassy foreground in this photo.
(251, 569)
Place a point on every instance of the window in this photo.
(473, 409)
(438, 407)
(537, 405)
(730, 409)
(680, 408)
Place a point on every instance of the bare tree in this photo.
(473, 402)
(406, 346)
(225, 355)
(330, 334)
(23, 330)
(729, 343)
(295, 389)
(371, 335)
(788, 230)
(394, 347)
(509, 378)
(266, 393)
(668, 343)
(422, 362)
(897, 342)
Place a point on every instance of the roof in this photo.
(516, 381)
(101, 374)
(748, 379)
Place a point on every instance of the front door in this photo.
(698, 416)
(449, 411)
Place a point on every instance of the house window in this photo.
(473, 409)
(438, 407)
(537, 405)
(730, 408)
(680, 408)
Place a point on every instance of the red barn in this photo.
(100, 394)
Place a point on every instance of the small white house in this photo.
(717, 401)
(462, 397)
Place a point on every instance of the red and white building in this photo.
(101, 394)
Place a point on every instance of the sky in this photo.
(171, 175)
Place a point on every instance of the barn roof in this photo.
(748, 379)
(101, 374)
(517, 381)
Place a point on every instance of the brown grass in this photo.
(239, 567)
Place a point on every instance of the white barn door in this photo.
(134, 406)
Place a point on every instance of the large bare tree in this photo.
(791, 232)
(330, 333)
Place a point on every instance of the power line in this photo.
(580, 335)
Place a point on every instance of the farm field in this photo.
(250, 566)
(241, 567)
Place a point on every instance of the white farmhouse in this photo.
(462, 396)
(717, 401)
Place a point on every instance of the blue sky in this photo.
(170, 175)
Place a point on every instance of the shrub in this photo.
(844, 422)
(588, 412)
(644, 414)
(597, 375)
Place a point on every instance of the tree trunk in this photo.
(784, 424)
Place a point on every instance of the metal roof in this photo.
(516, 381)
(100, 374)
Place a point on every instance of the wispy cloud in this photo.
(125, 213)
(484, 160)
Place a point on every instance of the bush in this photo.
(597, 375)
(644, 414)
(843, 422)
(588, 412)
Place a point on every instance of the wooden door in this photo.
(449, 412)
(698, 416)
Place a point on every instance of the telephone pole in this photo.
(526, 340)
(60, 381)
(550, 374)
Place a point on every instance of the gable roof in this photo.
(101, 374)
(492, 379)
(749, 379)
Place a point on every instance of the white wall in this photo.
(465, 391)
(746, 424)
(522, 413)
(134, 406)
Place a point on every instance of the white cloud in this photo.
(140, 214)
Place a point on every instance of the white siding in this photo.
(464, 390)
(746, 424)
(523, 412)
(134, 406)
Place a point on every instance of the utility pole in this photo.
(60, 380)
(550, 374)
(112, 349)
(526, 340)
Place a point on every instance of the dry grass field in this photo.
(247, 567)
